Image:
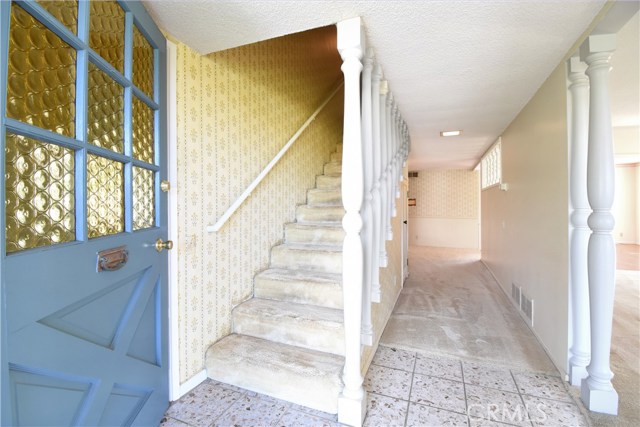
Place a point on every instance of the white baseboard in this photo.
(189, 385)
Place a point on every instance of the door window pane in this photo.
(106, 111)
(106, 32)
(39, 186)
(65, 11)
(105, 196)
(142, 63)
(41, 87)
(143, 198)
(142, 131)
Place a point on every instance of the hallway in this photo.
(452, 306)
(455, 352)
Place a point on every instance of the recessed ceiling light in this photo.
(450, 132)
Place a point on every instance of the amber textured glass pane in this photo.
(142, 131)
(106, 111)
(39, 186)
(106, 32)
(65, 11)
(142, 63)
(144, 212)
(41, 84)
(105, 196)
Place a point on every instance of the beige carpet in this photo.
(451, 305)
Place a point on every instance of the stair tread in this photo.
(307, 377)
(332, 225)
(308, 247)
(327, 317)
(305, 275)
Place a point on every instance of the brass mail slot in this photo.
(112, 259)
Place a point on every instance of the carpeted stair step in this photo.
(333, 168)
(326, 234)
(294, 374)
(298, 286)
(319, 214)
(320, 258)
(328, 182)
(322, 197)
(336, 157)
(302, 325)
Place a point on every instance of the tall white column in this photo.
(580, 346)
(352, 401)
(597, 391)
(384, 95)
(367, 214)
(376, 201)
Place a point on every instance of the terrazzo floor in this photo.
(405, 388)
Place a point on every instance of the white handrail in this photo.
(232, 209)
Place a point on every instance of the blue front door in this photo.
(84, 270)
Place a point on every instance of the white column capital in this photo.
(576, 66)
(599, 43)
(351, 40)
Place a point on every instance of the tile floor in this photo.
(404, 388)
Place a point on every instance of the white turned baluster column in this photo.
(384, 95)
(597, 391)
(389, 178)
(580, 347)
(375, 107)
(352, 401)
(367, 214)
(394, 145)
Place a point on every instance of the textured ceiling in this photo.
(469, 65)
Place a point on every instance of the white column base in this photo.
(596, 400)
(376, 295)
(577, 374)
(384, 260)
(352, 411)
(367, 338)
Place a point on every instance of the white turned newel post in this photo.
(375, 247)
(367, 214)
(580, 347)
(598, 393)
(389, 149)
(352, 401)
(384, 95)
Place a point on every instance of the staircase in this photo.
(288, 340)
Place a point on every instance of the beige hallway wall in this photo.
(235, 110)
(525, 229)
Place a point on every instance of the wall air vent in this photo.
(413, 174)
(515, 294)
(526, 305)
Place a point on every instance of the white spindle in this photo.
(580, 346)
(597, 391)
(388, 173)
(352, 401)
(377, 222)
(384, 95)
(367, 214)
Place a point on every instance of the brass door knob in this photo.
(160, 245)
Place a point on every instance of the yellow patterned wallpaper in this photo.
(450, 193)
(236, 109)
(390, 284)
